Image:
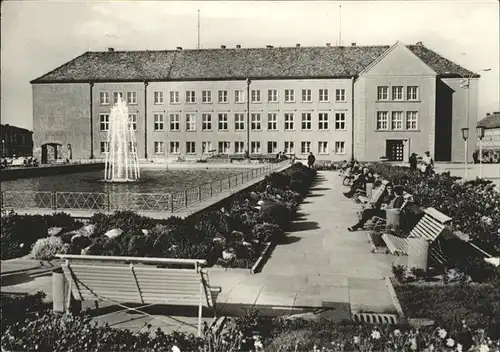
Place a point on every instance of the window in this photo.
(289, 123)
(306, 96)
(272, 121)
(239, 147)
(158, 97)
(412, 93)
(306, 121)
(132, 120)
(272, 96)
(190, 97)
(132, 98)
(339, 147)
(305, 147)
(411, 120)
(323, 121)
(223, 96)
(190, 122)
(397, 120)
(159, 147)
(256, 96)
(104, 147)
(206, 96)
(340, 95)
(289, 95)
(175, 147)
(256, 122)
(175, 122)
(190, 147)
(224, 147)
(382, 93)
(239, 96)
(239, 122)
(174, 97)
(322, 147)
(116, 95)
(255, 147)
(104, 121)
(340, 121)
(272, 147)
(223, 125)
(158, 122)
(397, 93)
(206, 147)
(323, 95)
(104, 98)
(206, 122)
(382, 123)
(289, 147)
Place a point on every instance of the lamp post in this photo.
(465, 84)
(480, 135)
(465, 136)
(3, 148)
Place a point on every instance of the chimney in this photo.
(497, 112)
(297, 45)
(238, 46)
(419, 44)
(353, 44)
(269, 46)
(328, 44)
(179, 48)
(111, 49)
(487, 114)
(223, 47)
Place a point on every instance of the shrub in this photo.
(266, 232)
(47, 248)
(15, 307)
(274, 213)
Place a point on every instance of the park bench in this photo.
(375, 197)
(429, 228)
(379, 222)
(133, 280)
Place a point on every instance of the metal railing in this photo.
(144, 202)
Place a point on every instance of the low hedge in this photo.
(207, 235)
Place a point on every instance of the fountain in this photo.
(121, 163)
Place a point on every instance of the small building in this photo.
(16, 141)
(491, 140)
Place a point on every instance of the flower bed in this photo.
(233, 236)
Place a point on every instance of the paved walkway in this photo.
(320, 267)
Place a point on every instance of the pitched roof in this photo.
(490, 121)
(205, 64)
(10, 128)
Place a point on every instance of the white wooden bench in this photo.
(430, 227)
(139, 281)
(376, 194)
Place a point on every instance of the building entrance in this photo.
(394, 149)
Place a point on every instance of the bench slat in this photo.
(396, 245)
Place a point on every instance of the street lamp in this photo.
(465, 84)
(465, 136)
(480, 135)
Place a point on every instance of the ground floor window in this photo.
(239, 147)
(339, 147)
(104, 147)
(190, 147)
(206, 147)
(272, 147)
(175, 147)
(289, 147)
(224, 147)
(159, 147)
(255, 146)
(305, 147)
(322, 147)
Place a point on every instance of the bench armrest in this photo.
(216, 289)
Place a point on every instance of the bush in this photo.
(267, 232)
(274, 213)
(47, 248)
(15, 307)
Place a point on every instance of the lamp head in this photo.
(465, 133)
(480, 132)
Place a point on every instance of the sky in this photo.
(38, 36)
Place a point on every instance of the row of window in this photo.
(224, 147)
(209, 123)
(223, 96)
(398, 121)
(397, 93)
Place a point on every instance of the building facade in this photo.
(336, 102)
(16, 141)
(490, 144)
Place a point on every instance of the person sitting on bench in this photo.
(360, 183)
(396, 203)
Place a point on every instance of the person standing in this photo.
(311, 160)
(413, 161)
(428, 164)
(475, 156)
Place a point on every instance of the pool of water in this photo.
(152, 181)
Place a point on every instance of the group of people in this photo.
(392, 198)
(426, 163)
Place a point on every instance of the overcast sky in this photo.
(38, 36)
